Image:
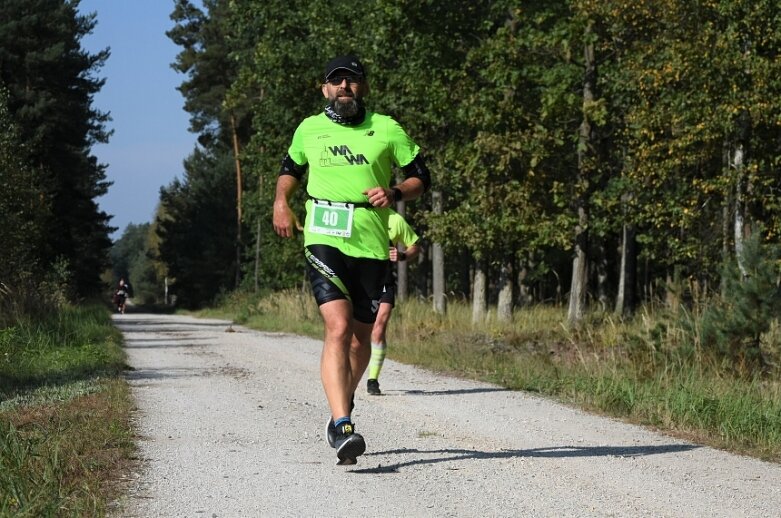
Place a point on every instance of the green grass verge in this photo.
(65, 436)
(644, 370)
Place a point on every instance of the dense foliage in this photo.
(647, 128)
(50, 179)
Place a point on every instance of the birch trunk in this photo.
(438, 263)
(504, 306)
(577, 293)
(479, 294)
(627, 280)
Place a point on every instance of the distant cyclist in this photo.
(349, 152)
(399, 232)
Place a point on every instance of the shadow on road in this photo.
(163, 326)
(168, 373)
(562, 452)
(167, 343)
(416, 392)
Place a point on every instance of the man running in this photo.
(399, 232)
(349, 152)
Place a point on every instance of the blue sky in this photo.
(151, 137)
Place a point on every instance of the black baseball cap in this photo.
(348, 63)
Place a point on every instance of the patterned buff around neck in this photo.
(347, 121)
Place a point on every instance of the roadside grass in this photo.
(646, 370)
(65, 435)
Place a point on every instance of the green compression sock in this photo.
(377, 358)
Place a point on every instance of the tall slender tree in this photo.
(211, 70)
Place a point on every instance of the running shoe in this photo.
(330, 429)
(373, 387)
(349, 444)
(330, 432)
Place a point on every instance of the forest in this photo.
(54, 239)
(594, 155)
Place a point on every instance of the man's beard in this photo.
(346, 110)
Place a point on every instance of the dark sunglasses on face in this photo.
(337, 80)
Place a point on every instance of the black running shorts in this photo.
(389, 289)
(389, 294)
(334, 276)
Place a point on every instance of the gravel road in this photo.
(231, 421)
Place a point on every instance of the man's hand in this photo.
(380, 196)
(285, 220)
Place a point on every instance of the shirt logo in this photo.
(349, 157)
(370, 133)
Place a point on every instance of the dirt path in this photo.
(231, 424)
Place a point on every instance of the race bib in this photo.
(332, 219)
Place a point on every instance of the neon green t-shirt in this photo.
(399, 230)
(343, 162)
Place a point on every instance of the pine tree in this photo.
(734, 326)
(51, 83)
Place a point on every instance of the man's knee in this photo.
(337, 320)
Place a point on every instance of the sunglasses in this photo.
(337, 80)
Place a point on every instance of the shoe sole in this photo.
(351, 449)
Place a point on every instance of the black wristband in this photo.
(397, 195)
(402, 256)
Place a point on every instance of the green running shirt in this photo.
(399, 230)
(343, 162)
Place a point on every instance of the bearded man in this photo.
(348, 153)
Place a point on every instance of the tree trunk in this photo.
(742, 228)
(438, 263)
(603, 296)
(257, 233)
(725, 219)
(257, 255)
(479, 293)
(586, 138)
(235, 135)
(465, 277)
(525, 297)
(504, 305)
(627, 280)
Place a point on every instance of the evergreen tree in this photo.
(194, 226)
(734, 325)
(23, 211)
(51, 84)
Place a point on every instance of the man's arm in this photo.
(409, 189)
(284, 218)
(411, 252)
(417, 180)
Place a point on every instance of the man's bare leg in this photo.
(335, 365)
(342, 360)
(360, 352)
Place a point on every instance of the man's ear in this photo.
(325, 93)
